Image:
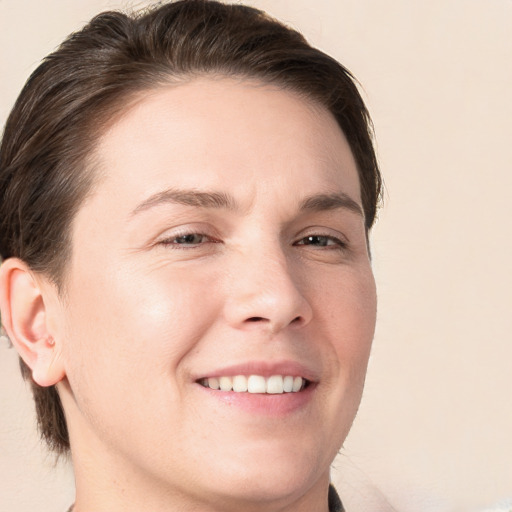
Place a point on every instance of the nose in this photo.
(266, 291)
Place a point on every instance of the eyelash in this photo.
(337, 245)
(331, 242)
(176, 245)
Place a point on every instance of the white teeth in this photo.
(274, 385)
(288, 384)
(240, 383)
(226, 383)
(256, 384)
(297, 384)
(213, 383)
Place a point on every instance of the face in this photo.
(223, 245)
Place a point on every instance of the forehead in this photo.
(239, 134)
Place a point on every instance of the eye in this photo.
(187, 240)
(322, 241)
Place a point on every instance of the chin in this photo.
(260, 488)
(270, 473)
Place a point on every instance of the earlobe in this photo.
(25, 318)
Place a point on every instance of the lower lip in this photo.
(264, 404)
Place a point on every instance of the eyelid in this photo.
(174, 240)
(167, 237)
(338, 243)
(330, 233)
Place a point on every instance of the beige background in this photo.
(434, 430)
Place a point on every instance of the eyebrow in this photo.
(188, 198)
(325, 202)
(222, 200)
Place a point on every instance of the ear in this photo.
(25, 318)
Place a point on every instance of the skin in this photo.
(144, 315)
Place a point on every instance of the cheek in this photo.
(347, 310)
(348, 307)
(131, 326)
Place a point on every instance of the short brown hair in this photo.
(78, 89)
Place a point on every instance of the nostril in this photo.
(253, 319)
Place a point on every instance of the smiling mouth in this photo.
(273, 385)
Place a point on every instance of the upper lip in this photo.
(263, 368)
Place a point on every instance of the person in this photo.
(186, 196)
